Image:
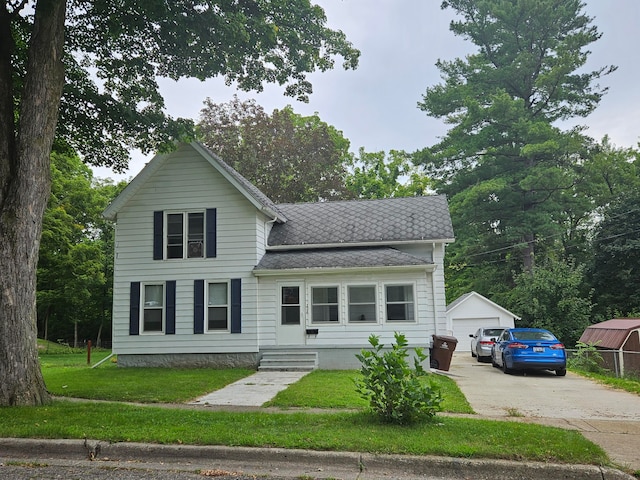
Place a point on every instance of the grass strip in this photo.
(631, 385)
(444, 436)
(63, 377)
(335, 389)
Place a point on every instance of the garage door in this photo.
(463, 327)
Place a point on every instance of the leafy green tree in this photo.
(290, 158)
(506, 167)
(376, 175)
(615, 272)
(554, 298)
(75, 266)
(87, 70)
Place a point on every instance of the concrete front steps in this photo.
(289, 361)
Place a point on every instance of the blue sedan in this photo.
(529, 349)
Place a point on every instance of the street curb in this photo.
(294, 463)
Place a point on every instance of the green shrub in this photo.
(586, 358)
(396, 392)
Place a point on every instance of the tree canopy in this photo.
(86, 72)
(507, 168)
(289, 157)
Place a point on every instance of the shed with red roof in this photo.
(618, 340)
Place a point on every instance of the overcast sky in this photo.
(375, 106)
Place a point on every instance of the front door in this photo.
(291, 323)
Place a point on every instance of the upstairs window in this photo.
(184, 234)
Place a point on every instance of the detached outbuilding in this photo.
(618, 341)
(472, 311)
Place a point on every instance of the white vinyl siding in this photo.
(351, 334)
(238, 239)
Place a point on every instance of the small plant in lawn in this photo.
(396, 392)
(586, 358)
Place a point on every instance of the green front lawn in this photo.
(67, 374)
(446, 436)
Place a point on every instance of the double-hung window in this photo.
(400, 304)
(218, 306)
(153, 308)
(362, 304)
(324, 304)
(185, 235)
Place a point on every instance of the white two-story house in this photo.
(210, 272)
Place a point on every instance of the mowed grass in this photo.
(445, 436)
(68, 375)
(336, 389)
(353, 429)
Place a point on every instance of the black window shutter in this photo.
(170, 307)
(236, 305)
(211, 232)
(198, 306)
(158, 220)
(134, 309)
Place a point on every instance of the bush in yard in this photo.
(396, 392)
(586, 358)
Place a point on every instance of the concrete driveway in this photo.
(607, 417)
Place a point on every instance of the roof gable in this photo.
(363, 222)
(246, 188)
(471, 296)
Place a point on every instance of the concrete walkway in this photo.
(251, 391)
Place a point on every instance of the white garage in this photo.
(471, 311)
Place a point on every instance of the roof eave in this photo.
(306, 246)
(348, 270)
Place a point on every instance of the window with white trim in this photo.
(185, 235)
(324, 305)
(400, 305)
(217, 306)
(362, 303)
(153, 308)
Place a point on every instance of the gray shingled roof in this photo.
(338, 258)
(363, 221)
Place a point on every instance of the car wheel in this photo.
(493, 362)
(473, 354)
(561, 372)
(505, 369)
(478, 358)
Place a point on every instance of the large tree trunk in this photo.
(25, 184)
